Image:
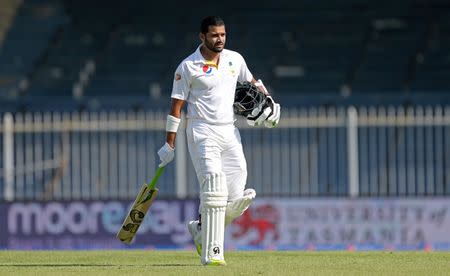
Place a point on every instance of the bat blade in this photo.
(136, 214)
(142, 203)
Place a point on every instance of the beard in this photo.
(215, 48)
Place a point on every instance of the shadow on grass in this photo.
(93, 265)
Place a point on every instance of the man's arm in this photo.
(167, 151)
(261, 87)
(175, 111)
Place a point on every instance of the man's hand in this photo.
(261, 112)
(259, 115)
(268, 113)
(166, 154)
(274, 118)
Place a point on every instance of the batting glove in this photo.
(257, 117)
(274, 118)
(166, 154)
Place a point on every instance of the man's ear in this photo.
(202, 37)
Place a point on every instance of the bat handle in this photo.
(155, 179)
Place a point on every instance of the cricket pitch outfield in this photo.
(151, 262)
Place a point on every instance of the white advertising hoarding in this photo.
(270, 223)
(294, 223)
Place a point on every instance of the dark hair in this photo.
(210, 21)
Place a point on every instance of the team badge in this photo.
(232, 72)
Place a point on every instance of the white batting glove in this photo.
(271, 113)
(254, 119)
(166, 154)
(272, 120)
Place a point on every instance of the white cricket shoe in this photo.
(214, 262)
(196, 233)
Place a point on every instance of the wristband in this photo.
(172, 123)
(262, 87)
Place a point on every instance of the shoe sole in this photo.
(216, 263)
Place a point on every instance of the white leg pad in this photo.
(237, 207)
(213, 200)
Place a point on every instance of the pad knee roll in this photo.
(214, 191)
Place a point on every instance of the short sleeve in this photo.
(181, 83)
(244, 73)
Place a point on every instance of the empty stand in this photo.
(433, 64)
(312, 52)
(29, 35)
(384, 63)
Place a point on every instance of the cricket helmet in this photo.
(247, 97)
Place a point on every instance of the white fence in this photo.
(314, 152)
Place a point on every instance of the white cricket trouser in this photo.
(216, 149)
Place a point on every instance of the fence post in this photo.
(8, 156)
(181, 161)
(352, 148)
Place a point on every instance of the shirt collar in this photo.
(198, 57)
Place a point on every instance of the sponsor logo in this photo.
(131, 227)
(166, 218)
(136, 216)
(214, 250)
(262, 220)
(207, 69)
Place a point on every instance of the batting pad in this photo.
(213, 199)
(237, 207)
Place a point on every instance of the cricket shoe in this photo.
(214, 262)
(196, 233)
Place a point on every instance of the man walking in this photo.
(206, 80)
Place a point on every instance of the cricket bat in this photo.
(135, 216)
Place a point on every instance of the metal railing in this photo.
(371, 151)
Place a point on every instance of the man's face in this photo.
(214, 39)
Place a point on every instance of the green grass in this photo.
(140, 262)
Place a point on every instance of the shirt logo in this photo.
(206, 69)
(177, 77)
